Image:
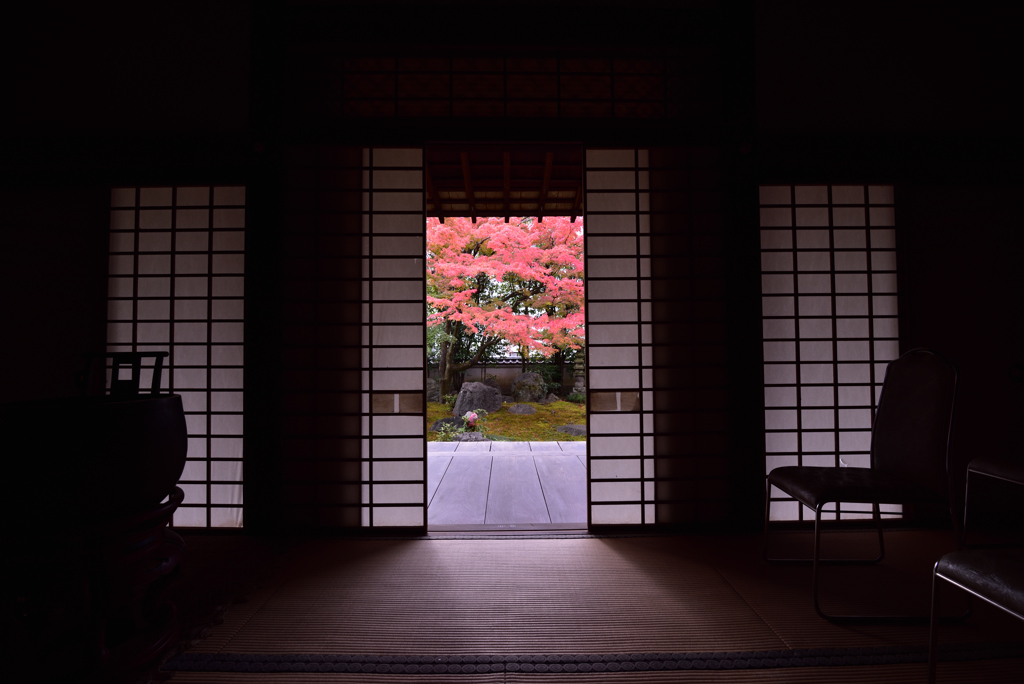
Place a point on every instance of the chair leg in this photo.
(824, 561)
(961, 542)
(876, 512)
(868, 619)
(933, 629)
(767, 513)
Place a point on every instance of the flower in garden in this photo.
(470, 418)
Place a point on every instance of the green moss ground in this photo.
(540, 427)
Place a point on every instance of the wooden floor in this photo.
(506, 485)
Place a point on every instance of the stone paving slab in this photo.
(437, 465)
(573, 447)
(441, 447)
(564, 482)
(464, 447)
(461, 496)
(515, 495)
(544, 446)
(507, 447)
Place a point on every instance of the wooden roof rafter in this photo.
(549, 160)
(432, 195)
(506, 160)
(525, 179)
(467, 178)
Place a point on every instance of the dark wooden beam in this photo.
(549, 160)
(507, 163)
(467, 180)
(435, 199)
(576, 206)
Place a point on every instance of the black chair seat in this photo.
(996, 575)
(1011, 470)
(812, 486)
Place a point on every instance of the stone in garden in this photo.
(522, 410)
(470, 437)
(528, 387)
(438, 424)
(491, 382)
(550, 399)
(477, 395)
(433, 390)
(507, 399)
(574, 430)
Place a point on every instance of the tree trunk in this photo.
(449, 368)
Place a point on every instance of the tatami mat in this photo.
(460, 597)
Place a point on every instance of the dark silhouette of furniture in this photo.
(995, 575)
(909, 463)
(92, 484)
(122, 386)
(999, 468)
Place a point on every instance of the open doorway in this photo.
(505, 325)
(507, 415)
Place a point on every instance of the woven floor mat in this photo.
(343, 600)
(493, 596)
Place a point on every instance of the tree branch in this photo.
(484, 346)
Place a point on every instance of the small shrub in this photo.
(448, 431)
(449, 400)
(577, 398)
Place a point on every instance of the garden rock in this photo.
(491, 382)
(470, 437)
(522, 410)
(528, 387)
(574, 430)
(438, 424)
(433, 390)
(550, 399)
(507, 399)
(477, 395)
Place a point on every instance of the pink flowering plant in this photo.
(474, 420)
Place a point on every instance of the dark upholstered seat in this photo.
(909, 458)
(996, 575)
(1004, 468)
(812, 486)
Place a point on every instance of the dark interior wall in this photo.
(859, 67)
(128, 69)
(53, 270)
(960, 249)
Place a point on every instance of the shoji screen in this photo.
(176, 284)
(393, 329)
(618, 308)
(828, 285)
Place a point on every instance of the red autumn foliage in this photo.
(492, 283)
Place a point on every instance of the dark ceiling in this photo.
(477, 180)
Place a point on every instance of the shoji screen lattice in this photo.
(618, 309)
(393, 330)
(828, 285)
(176, 284)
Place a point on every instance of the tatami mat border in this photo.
(619, 662)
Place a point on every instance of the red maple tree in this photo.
(492, 284)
